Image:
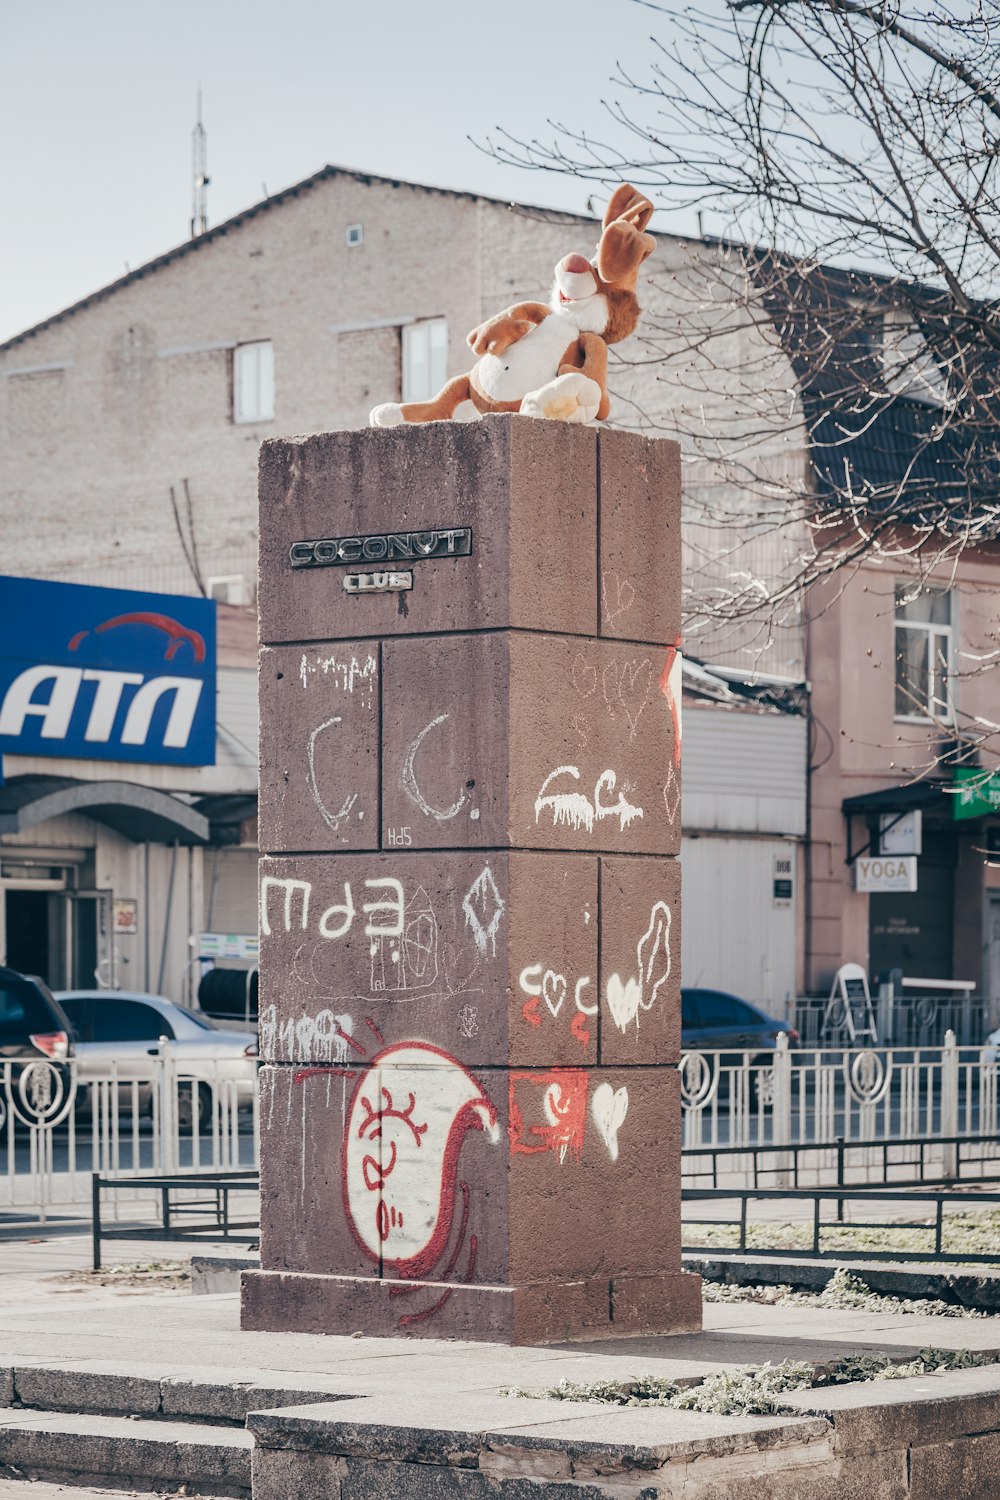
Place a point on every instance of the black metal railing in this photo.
(181, 1217)
(843, 1250)
(971, 1159)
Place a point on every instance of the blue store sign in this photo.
(106, 674)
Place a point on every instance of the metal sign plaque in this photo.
(385, 547)
(378, 583)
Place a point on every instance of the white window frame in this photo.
(253, 382)
(935, 702)
(424, 358)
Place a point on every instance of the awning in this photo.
(140, 813)
(929, 796)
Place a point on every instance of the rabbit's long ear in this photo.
(624, 199)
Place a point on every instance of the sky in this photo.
(98, 100)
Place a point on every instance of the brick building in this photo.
(129, 431)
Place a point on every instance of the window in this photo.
(909, 367)
(229, 588)
(129, 1021)
(425, 358)
(923, 652)
(253, 382)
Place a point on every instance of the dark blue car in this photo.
(712, 1020)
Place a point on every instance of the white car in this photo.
(121, 1034)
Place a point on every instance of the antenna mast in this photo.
(199, 176)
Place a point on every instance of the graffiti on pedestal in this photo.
(547, 1112)
(541, 984)
(628, 998)
(574, 809)
(409, 1115)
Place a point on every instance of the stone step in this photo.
(83, 1449)
(41, 1489)
(120, 1389)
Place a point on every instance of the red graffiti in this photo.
(177, 632)
(530, 1012)
(301, 1074)
(557, 1102)
(409, 1115)
(670, 687)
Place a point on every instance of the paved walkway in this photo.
(48, 1321)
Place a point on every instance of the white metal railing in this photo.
(838, 1095)
(58, 1127)
(55, 1129)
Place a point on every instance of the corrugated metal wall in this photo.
(733, 936)
(744, 772)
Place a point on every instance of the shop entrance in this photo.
(29, 931)
(913, 931)
(60, 934)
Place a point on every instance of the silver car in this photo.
(125, 1036)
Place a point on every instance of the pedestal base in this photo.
(539, 1313)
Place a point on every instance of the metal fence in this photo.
(57, 1128)
(834, 1096)
(920, 1018)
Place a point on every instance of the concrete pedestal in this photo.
(470, 900)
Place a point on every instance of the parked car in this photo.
(714, 1019)
(33, 1030)
(124, 1031)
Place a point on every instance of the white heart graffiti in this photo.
(553, 991)
(608, 1108)
(626, 998)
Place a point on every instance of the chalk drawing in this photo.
(332, 820)
(468, 1022)
(608, 1108)
(346, 674)
(626, 998)
(410, 960)
(575, 810)
(484, 908)
(411, 787)
(584, 675)
(338, 919)
(323, 1038)
(672, 795)
(620, 600)
(408, 1118)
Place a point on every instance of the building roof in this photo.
(879, 440)
(273, 200)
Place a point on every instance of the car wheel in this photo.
(190, 1097)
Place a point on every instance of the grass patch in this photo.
(966, 1232)
(156, 1275)
(843, 1290)
(755, 1390)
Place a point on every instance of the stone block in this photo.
(640, 527)
(53, 1389)
(526, 490)
(319, 761)
(469, 1013)
(966, 1467)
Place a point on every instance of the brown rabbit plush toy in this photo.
(552, 361)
